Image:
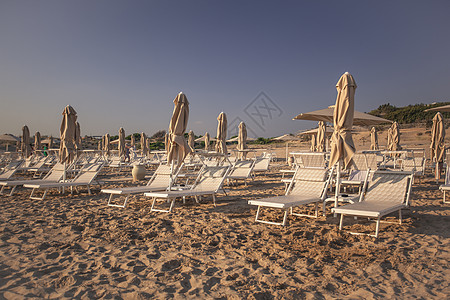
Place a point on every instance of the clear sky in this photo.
(121, 63)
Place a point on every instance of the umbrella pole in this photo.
(287, 152)
(64, 176)
(338, 184)
(171, 176)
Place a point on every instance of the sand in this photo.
(78, 247)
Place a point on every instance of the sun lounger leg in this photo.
(12, 190)
(285, 217)
(89, 190)
(118, 205)
(445, 201)
(377, 229)
(341, 221)
(257, 213)
(400, 216)
(214, 200)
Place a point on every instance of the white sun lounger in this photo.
(446, 186)
(159, 182)
(53, 176)
(209, 182)
(387, 192)
(309, 185)
(10, 169)
(86, 177)
(242, 170)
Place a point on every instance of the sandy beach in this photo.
(78, 247)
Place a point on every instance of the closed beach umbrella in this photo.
(342, 147)
(100, 146)
(389, 138)
(133, 140)
(121, 142)
(37, 141)
(78, 144)
(321, 137)
(106, 145)
(242, 139)
(342, 141)
(313, 143)
(50, 144)
(143, 144)
(191, 140)
(67, 134)
(373, 139)
(221, 145)
(25, 146)
(166, 143)
(207, 141)
(395, 137)
(438, 143)
(178, 147)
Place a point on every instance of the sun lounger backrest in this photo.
(211, 178)
(309, 182)
(372, 161)
(7, 174)
(388, 187)
(88, 173)
(313, 160)
(161, 177)
(262, 164)
(243, 168)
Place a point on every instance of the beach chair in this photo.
(158, 182)
(262, 164)
(209, 182)
(309, 186)
(53, 176)
(446, 186)
(10, 169)
(387, 192)
(241, 170)
(85, 177)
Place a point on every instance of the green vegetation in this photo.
(408, 114)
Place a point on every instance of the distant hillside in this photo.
(408, 114)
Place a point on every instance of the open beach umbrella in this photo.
(242, 139)
(25, 146)
(37, 141)
(321, 137)
(178, 147)
(106, 144)
(438, 143)
(121, 145)
(374, 139)
(221, 145)
(445, 108)
(286, 138)
(326, 115)
(67, 134)
(9, 139)
(143, 144)
(313, 143)
(395, 137)
(191, 140)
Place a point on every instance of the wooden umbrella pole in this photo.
(338, 184)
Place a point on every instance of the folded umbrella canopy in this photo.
(67, 134)
(242, 139)
(221, 145)
(313, 143)
(207, 141)
(389, 138)
(342, 141)
(321, 137)
(438, 143)
(144, 144)
(37, 141)
(25, 146)
(121, 146)
(373, 139)
(106, 144)
(191, 140)
(395, 137)
(178, 147)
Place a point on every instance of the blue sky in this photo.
(121, 63)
